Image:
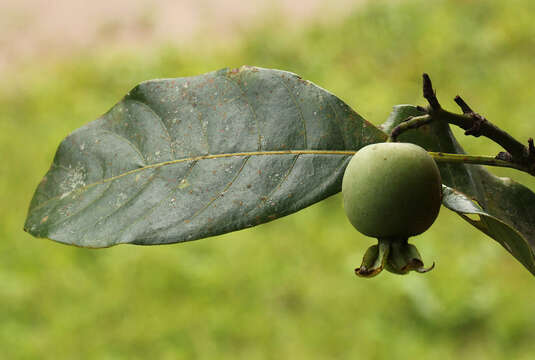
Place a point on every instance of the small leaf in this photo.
(507, 207)
(187, 158)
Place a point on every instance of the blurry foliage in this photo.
(285, 289)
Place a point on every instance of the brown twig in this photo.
(523, 157)
(429, 94)
(412, 122)
(463, 105)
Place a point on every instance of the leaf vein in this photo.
(340, 125)
(253, 112)
(223, 191)
(155, 206)
(207, 157)
(141, 189)
(292, 95)
(162, 124)
(70, 216)
(278, 186)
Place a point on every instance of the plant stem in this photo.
(517, 155)
(470, 121)
(470, 159)
(412, 122)
(476, 125)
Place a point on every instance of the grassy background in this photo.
(285, 289)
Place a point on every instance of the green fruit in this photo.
(392, 190)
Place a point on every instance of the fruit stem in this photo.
(471, 159)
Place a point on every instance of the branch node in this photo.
(505, 156)
(517, 154)
(478, 120)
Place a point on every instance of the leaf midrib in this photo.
(203, 157)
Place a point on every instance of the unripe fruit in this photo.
(392, 190)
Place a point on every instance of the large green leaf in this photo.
(506, 208)
(187, 158)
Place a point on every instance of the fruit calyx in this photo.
(395, 255)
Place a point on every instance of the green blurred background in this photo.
(284, 289)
